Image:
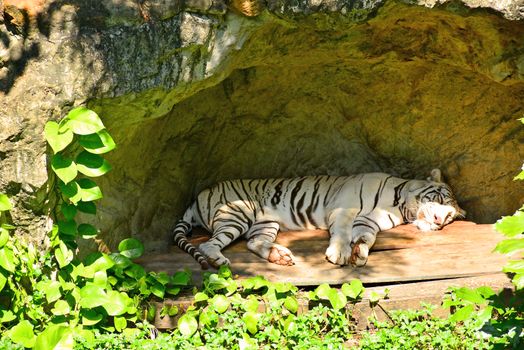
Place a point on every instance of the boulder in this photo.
(195, 92)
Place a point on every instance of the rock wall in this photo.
(194, 92)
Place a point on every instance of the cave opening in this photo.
(406, 91)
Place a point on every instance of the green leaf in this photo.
(99, 261)
(51, 289)
(120, 260)
(92, 165)
(89, 191)
(64, 168)
(55, 337)
(90, 317)
(516, 266)
(81, 121)
(200, 297)
(68, 210)
(187, 325)
(86, 207)
(463, 313)
(57, 140)
(71, 191)
(469, 295)
(509, 245)
(158, 289)
(251, 304)
(61, 308)
(322, 291)
(173, 290)
(3, 280)
(87, 230)
(181, 278)
(518, 281)
(4, 236)
(353, 290)
(98, 143)
(291, 304)
(7, 259)
(136, 271)
(220, 303)
(120, 323)
(337, 299)
(67, 227)
(374, 297)
(251, 321)
(116, 303)
(131, 248)
(511, 225)
(23, 334)
(63, 255)
(7, 316)
(5, 204)
(92, 296)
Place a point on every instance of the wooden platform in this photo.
(403, 254)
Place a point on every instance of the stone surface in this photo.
(194, 93)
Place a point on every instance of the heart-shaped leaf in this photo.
(5, 204)
(56, 139)
(86, 207)
(91, 164)
(116, 303)
(4, 236)
(64, 168)
(71, 191)
(87, 230)
(98, 143)
(68, 210)
(7, 259)
(82, 121)
(187, 325)
(131, 248)
(89, 191)
(90, 317)
(23, 334)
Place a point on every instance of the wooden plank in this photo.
(400, 254)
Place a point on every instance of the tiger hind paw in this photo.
(280, 255)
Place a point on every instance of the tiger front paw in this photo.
(338, 253)
(280, 255)
(359, 253)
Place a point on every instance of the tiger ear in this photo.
(435, 175)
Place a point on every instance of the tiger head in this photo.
(436, 204)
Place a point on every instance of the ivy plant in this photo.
(49, 296)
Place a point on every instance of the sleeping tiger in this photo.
(353, 208)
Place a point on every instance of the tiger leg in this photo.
(364, 233)
(339, 223)
(261, 237)
(222, 236)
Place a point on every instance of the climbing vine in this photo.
(48, 296)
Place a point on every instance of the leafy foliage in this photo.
(418, 329)
(47, 297)
(513, 228)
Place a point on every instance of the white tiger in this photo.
(353, 208)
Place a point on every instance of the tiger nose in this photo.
(437, 219)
